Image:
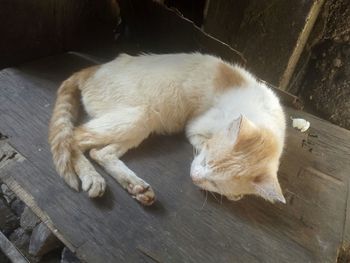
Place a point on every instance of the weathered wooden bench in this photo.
(184, 225)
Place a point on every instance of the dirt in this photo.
(344, 255)
(325, 84)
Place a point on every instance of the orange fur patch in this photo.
(227, 77)
(85, 74)
(253, 150)
(258, 144)
(86, 139)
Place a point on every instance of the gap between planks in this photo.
(24, 196)
(300, 44)
(10, 250)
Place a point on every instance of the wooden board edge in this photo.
(180, 16)
(286, 98)
(30, 202)
(25, 196)
(11, 251)
(346, 236)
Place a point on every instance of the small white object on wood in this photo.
(301, 124)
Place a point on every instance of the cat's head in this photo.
(240, 160)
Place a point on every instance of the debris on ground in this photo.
(42, 241)
(301, 124)
(29, 220)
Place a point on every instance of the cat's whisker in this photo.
(214, 196)
(205, 200)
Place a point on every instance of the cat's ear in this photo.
(268, 187)
(240, 127)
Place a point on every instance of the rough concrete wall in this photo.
(265, 31)
(324, 81)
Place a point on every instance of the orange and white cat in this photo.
(235, 123)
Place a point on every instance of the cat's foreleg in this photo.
(197, 141)
(108, 158)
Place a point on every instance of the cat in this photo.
(235, 123)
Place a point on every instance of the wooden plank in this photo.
(10, 250)
(8, 155)
(346, 237)
(324, 142)
(184, 225)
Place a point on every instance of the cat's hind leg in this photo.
(91, 181)
(109, 137)
(108, 158)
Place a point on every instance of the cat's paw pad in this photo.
(142, 193)
(95, 185)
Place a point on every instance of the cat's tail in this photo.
(65, 151)
(61, 129)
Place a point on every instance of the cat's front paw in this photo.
(142, 193)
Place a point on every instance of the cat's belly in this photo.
(168, 119)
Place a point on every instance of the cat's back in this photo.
(148, 79)
(154, 64)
